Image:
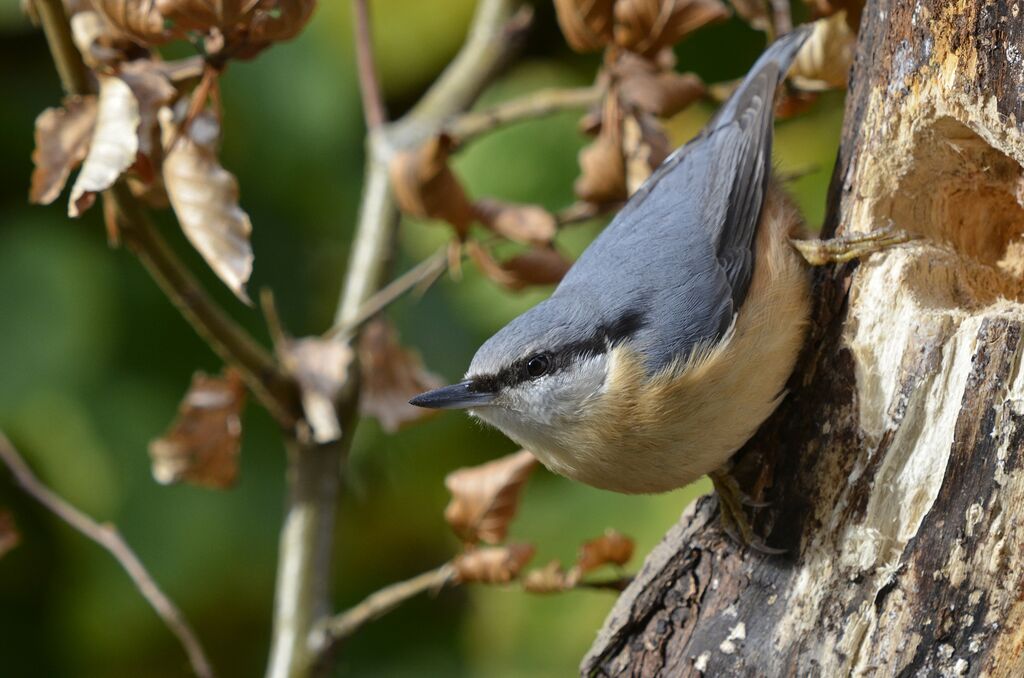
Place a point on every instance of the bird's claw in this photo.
(852, 246)
(731, 500)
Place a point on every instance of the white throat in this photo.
(540, 414)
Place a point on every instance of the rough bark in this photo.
(894, 468)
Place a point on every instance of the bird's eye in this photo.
(537, 365)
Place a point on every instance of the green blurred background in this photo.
(93, 361)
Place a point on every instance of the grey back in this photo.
(680, 254)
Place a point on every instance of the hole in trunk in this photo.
(962, 193)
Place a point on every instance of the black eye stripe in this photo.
(607, 336)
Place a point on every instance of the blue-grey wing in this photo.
(681, 252)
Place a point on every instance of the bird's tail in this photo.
(771, 66)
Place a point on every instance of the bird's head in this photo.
(536, 379)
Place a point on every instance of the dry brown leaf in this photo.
(755, 12)
(644, 85)
(390, 375)
(204, 196)
(204, 15)
(492, 565)
(586, 24)
(645, 146)
(647, 26)
(62, 142)
(278, 20)
(9, 535)
(141, 20)
(73, 7)
(853, 8)
(98, 41)
(825, 59)
(548, 579)
(485, 498)
(426, 187)
(202, 445)
(793, 102)
(152, 91)
(527, 224)
(488, 265)
(602, 176)
(114, 143)
(537, 266)
(320, 367)
(611, 548)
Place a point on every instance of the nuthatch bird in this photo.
(671, 338)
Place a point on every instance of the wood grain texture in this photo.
(894, 467)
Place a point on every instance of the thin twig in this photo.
(109, 538)
(74, 75)
(427, 271)
(584, 211)
(226, 337)
(304, 564)
(275, 391)
(381, 602)
(782, 16)
(369, 84)
(533, 105)
(335, 629)
(618, 584)
(494, 36)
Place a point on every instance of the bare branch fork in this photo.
(226, 337)
(304, 569)
(304, 563)
(109, 538)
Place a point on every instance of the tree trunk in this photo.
(894, 467)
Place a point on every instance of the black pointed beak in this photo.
(458, 396)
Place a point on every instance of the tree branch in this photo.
(537, 104)
(332, 631)
(494, 35)
(584, 211)
(232, 343)
(302, 595)
(423, 273)
(74, 76)
(109, 538)
(275, 390)
(369, 85)
(379, 603)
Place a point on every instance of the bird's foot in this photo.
(844, 248)
(731, 502)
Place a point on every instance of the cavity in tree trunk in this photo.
(894, 466)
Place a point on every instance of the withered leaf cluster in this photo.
(853, 10)
(390, 375)
(153, 130)
(319, 367)
(426, 187)
(611, 548)
(639, 81)
(485, 498)
(202, 445)
(484, 502)
(825, 60)
(239, 28)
